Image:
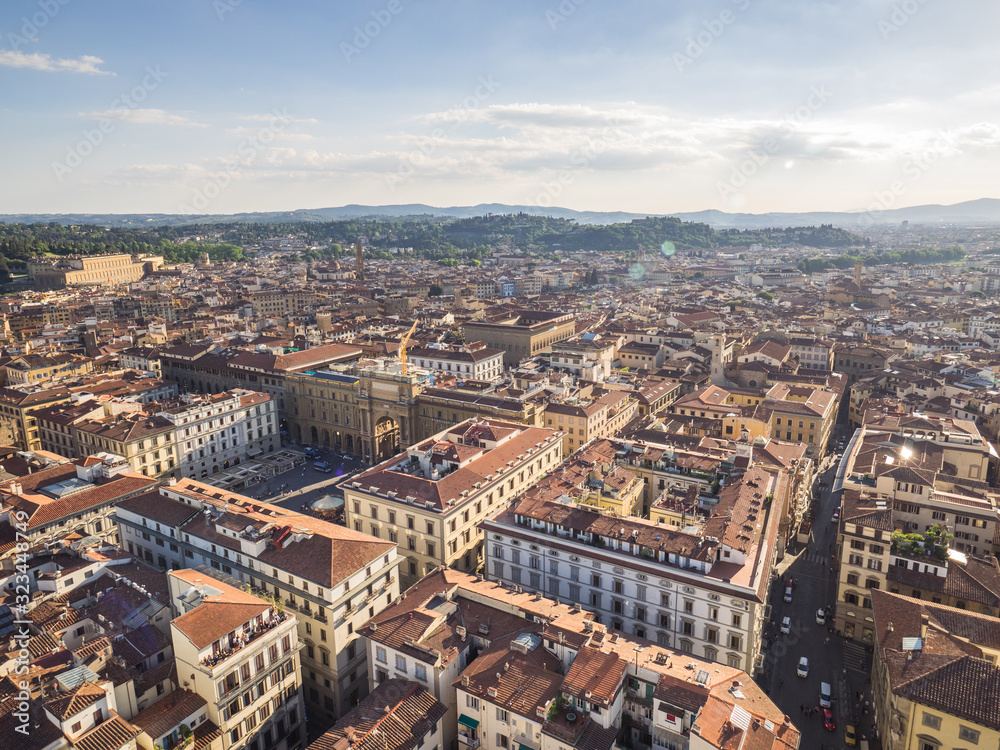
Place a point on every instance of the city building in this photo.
(473, 361)
(240, 654)
(431, 498)
(935, 680)
(583, 420)
(397, 715)
(333, 578)
(215, 432)
(93, 270)
(916, 518)
(514, 669)
(521, 334)
(77, 497)
(701, 590)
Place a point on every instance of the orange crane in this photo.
(402, 346)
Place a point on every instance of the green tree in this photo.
(435, 291)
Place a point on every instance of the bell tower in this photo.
(359, 261)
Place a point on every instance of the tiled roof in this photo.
(209, 621)
(326, 555)
(948, 672)
(168, 712)
(110, 735)
(522, 683)
(394, 716)
(72, 703)
(595, 676)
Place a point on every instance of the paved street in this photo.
(845, 665)
(304, 484)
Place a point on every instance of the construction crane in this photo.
(402, 346)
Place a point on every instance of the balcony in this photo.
(467, 739)
(568, 725)
(247, 638)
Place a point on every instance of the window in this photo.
(932, 721)
(502, 715)
(400, 663)
(420, 672)
(380, 654)
(968, 734)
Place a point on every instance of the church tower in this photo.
(858, 265)
(722, 355)
(359, 261)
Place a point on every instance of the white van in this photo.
(825, 694)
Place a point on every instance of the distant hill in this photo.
(981, 211)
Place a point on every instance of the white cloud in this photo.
(40, 61)
(270, 118)
(144, 117)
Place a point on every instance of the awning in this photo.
(470, 723)
(525, 747)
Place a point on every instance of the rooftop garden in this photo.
(932, 543)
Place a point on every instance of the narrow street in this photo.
(845, 665)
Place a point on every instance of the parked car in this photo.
(323, 466)
(850, 738)
(820, 617)
(311, 452)
(788, 594)
(835, 517)
(803, 668)
(828, 723)
(786, 625)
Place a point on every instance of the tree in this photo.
(435, 291)
(766, 296)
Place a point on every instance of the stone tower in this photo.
(858, 265)
(359, 261)
(722, 355)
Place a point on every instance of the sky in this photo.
(224, 106)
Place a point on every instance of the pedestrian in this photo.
(802, 708)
